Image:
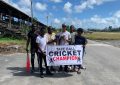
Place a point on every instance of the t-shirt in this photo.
(80, 40)
(50, 37)
(32, 36)
(73, 37)
(66, 35)
(42, 43)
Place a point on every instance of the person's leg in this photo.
(40, 65)
(37, 58)
(60, 68)
(52, 68)
(66, 68)
(32, 60)
(81, 66)
(47, 68)
(78, 70)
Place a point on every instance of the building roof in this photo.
(10, 10)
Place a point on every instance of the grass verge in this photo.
(103, 36)
(13, 41)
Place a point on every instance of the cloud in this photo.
(72, 21)
(7, 1)
(64, 19)
(117, 14)
(95, 21)
(56, 21)
(76, 22)
(40, 6)
(100, 22)
(67, 7)
(56, 1)
(25, 3)
(89, 4)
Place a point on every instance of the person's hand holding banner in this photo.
(64, 55)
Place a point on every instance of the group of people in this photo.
(38, 39)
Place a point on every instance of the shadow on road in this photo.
(21, 71)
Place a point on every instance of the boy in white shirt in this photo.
(41, 41)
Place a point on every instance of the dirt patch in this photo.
(11, 48)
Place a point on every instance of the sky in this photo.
(86, 14)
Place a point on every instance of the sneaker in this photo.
(41, 75)
(70, 68)
(78, 72)
(60, 69)
(32, 70)
(82, 67)
(49, 73)
(52, 69)
(66, 70)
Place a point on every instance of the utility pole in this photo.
(47, 19)
(31, 12)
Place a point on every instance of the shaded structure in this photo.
(14, 20)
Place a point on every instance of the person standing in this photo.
(41, 42)
(31, 39)
(80, 40)
(65, 36)
(64, 39)
(50, 36)
(73, 34)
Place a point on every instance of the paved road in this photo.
(102, 62)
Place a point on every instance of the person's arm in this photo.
(38, 45)
(28, 42)
(52, 39)
(69, 38)
(86, 41)
(39, 48)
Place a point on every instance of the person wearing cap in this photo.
(80, 40)
(31, 40)
(65, 36)
(64, 39)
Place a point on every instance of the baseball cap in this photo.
(63, 25)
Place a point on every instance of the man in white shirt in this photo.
(64, 39)
(41, 41)
(64, 36)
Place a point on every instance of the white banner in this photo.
(64, 55)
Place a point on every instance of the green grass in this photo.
(12, 41)
(103, 36)
(93, 36)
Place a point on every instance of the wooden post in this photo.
(1, 16)
(9, 26)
